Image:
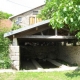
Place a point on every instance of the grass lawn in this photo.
(63, 75)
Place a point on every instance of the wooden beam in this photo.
(47, 37)
(33, 31)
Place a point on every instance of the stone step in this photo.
(37, 65)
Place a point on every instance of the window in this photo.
(18, 20)
(35, 12)
(32, 20)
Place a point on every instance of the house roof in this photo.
(26, 28)
(25, 11)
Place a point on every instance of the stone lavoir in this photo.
(37, 44)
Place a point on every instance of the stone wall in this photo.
(70, 54)
(39, 52)
(14, 56)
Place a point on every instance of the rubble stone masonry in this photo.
(69, 54)
(15, 56)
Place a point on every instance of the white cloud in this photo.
(14, 8)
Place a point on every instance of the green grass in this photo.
(65, 75)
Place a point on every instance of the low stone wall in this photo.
(40, 52)
(70, 54)
(14, 56)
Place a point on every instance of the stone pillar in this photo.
(15, 42)
(15, 57)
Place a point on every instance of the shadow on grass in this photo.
(74, 73)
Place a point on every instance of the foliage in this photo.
(15, 26)
(4, 43)
(4, 54)
(63, 13)
(4, 15)
(78, 36)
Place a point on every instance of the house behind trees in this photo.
(27, 18)
(38, 42)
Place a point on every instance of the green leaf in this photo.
(71, 19)
(62, 13)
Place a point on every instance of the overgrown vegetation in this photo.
(15, 26)
(5, 61)
(4, 43)
(4, 50)
(63, 14)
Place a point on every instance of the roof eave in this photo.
(25, 28)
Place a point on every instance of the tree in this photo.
(63, 13)
(4, 15)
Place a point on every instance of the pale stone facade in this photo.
(70, 54)
(15, 57)
(25, 16)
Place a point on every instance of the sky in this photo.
(18, 6)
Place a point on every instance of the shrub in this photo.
(4, 51)
(15, 26)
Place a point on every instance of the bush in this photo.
(4, 50)
(15, 26)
